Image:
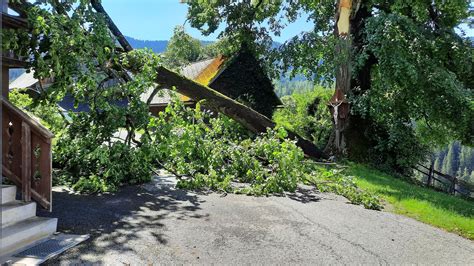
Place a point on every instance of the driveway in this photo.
(156, 223)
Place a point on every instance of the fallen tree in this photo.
(246, 116)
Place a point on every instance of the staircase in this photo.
(20, 227)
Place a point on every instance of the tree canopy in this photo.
(412, 73)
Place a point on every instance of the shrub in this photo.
(306, 113)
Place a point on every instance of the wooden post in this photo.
(453, 185)
(5, 81)
(430, 174)
(25, 162)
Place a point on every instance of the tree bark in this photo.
(338, 104)
(360, 131)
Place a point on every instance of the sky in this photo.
(156, 19)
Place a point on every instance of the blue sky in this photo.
(156, 19)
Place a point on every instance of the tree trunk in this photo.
(338, 104)
(355, 130)
(360, 129)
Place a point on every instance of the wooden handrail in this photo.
(35, 125)
(26, 152)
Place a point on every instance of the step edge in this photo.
(49, 226)
(8, 194)
(28, 208)
(36, 220)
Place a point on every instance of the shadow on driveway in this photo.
(122, 217)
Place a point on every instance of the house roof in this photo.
(25, 80)
(203, 72)
(193, 70)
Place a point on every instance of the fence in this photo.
(447, 183)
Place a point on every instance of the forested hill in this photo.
(456, 160)
(155, 46)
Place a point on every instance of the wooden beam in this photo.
(10, 61)
(5, 81)
(25, 162)
(13, 22)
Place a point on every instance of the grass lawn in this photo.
(450, 213)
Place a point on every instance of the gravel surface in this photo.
(156, 223)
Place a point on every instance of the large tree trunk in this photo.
(360, 131)
(246, 116)
(339, 105)
(355, 130)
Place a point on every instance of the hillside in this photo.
(155, 46)
(158, 46)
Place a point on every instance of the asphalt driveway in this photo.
(156, 223)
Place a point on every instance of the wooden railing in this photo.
(26, 152)
(445, 182)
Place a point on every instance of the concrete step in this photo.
(8, 193)
(16, 211)
(16, 237)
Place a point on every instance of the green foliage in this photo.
(438, 65)
(242, 19)
(86, 65)
(103, 167)
(336, 181)
(91, 153)
(182, 49)
(307, 114)
(216, 153)
(212, 153)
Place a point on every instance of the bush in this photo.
(306, 114)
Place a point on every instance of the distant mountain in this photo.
(155, 46)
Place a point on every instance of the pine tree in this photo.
(438, 165)
(451, 162)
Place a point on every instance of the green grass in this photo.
(450, 213)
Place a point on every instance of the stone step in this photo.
(16, 211)
(16, 237)
(8, 193)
